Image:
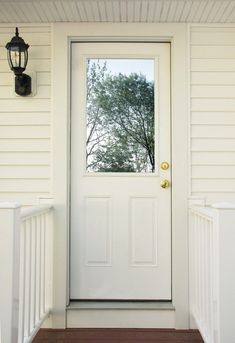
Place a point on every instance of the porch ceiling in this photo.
(147, 11)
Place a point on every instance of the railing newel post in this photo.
(9, 271)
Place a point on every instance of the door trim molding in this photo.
(63, 35)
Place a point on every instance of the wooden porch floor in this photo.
(118, 336)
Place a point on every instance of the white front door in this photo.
(120, 134)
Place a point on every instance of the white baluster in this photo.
(43, 261)
(27, 279)
(22, 281)
(35, 272)
(211, 242)
(32, 272)
(38, 269)
(48, 263)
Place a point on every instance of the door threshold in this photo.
(120, 314)
(122, 305)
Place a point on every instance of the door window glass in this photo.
(120, 115)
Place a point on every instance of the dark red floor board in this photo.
(117, 336)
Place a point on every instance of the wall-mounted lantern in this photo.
(17, 58)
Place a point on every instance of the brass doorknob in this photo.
(165, 183)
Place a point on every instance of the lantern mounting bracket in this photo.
(23, 84)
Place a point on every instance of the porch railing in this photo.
(26, 250)
(212, 271)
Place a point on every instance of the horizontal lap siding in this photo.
(213, 113)
(25, 123)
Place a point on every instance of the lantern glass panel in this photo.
(18, 58)
(24, 58)
(15, 57)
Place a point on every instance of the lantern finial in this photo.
(17, 32)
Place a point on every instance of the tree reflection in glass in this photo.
(120, 116)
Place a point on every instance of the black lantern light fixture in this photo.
(17, 58)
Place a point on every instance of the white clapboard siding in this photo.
(24, 105)
(213, 144)
(218, 91)
(213, 172)
(212, 197)
(25, 123)
(215, 118)
(33, 132)
(36, 39)
(209, 65)
(213, 158)
(25, 118)
(43, 78)
(25, 158)
(25, 172)
(213, 185)
(36, 51)
(208, 77)
(24, 185)
(213, 104)
(40, 65)
(43, 92)
(210, 51)
(19, 145)
(199, 38)
(26, 198)
(212, 56)
(212, 131)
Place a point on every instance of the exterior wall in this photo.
(25, 167)
(25, 151)
(213, 112)
(25, 134)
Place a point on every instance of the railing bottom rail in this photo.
(36, 329)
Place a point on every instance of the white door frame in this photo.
(63, 35)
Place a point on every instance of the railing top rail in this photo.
(224, 205)
(34, 211)
(9, 205)
(210, 211)
(207, 211)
